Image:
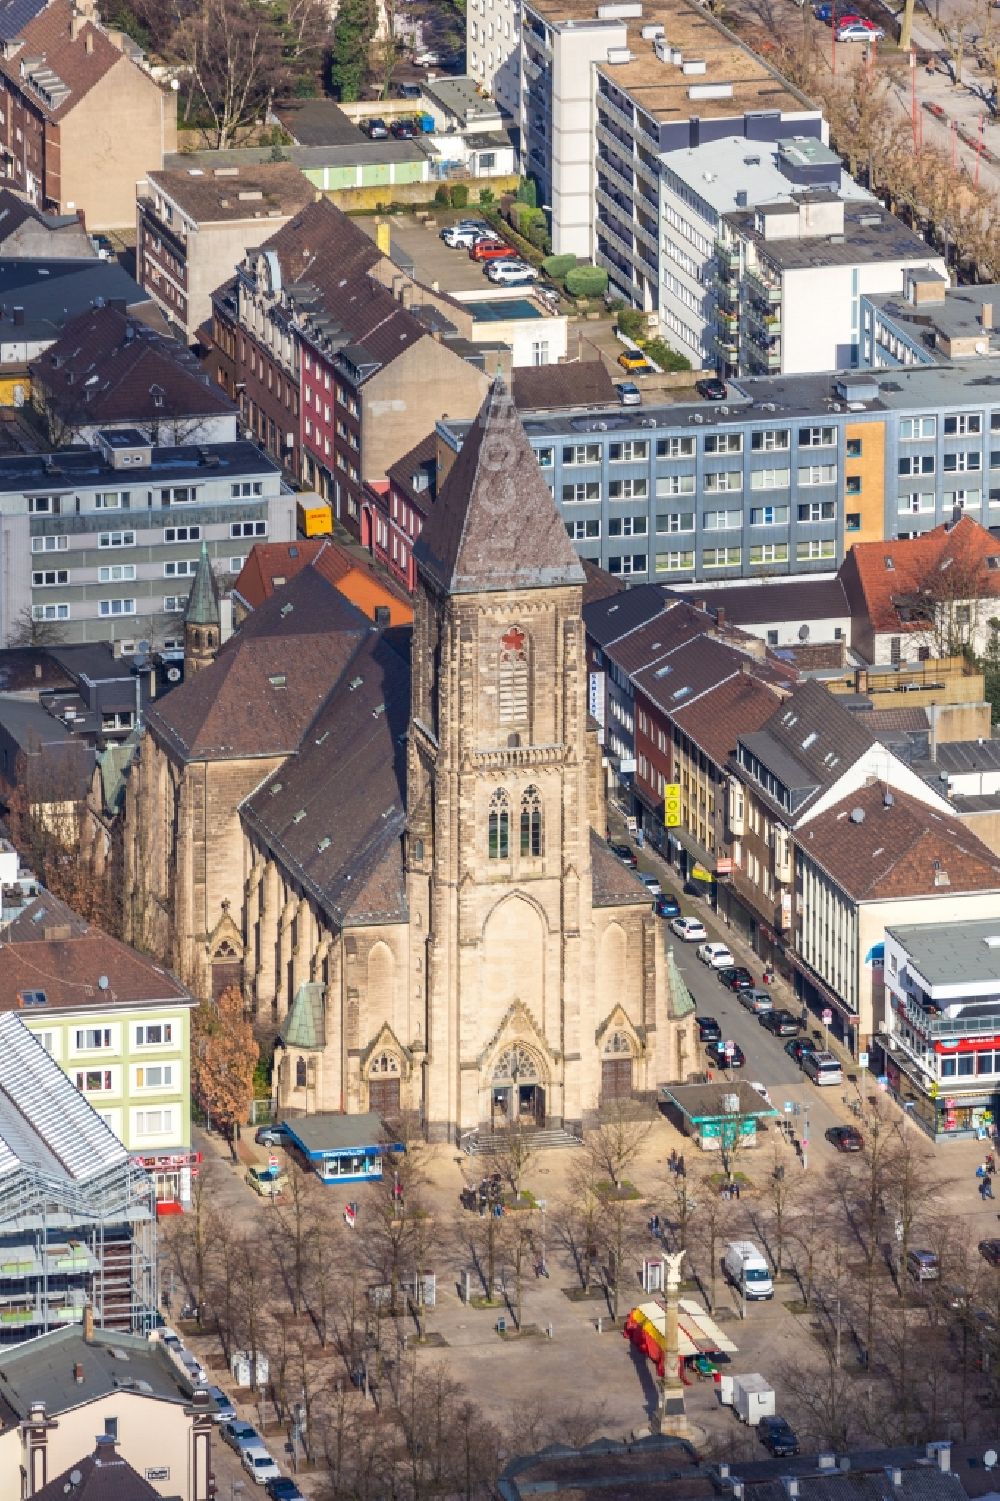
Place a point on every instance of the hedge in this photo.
(459, 195)
(632, 323)
(667, 358)
(556, 266)
(586, 281)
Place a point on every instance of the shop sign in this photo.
(672, 805)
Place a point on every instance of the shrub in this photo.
(443, 194)
(586, 281)
(556, 266)
(527, 192)
(485, 197)
(632, 323)
(459, 195)
(538, 234)
(667, 358)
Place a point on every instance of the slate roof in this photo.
(608, 619)
(268, 680)
(203, 602)
(106, 367)
(809, 742)
(615, 884)
(495, 527)
(917, 564)
(903, 850)
(50, 292)
(48, 948)
(275, 189)
(583, 383)
(767, 603)
(715, 722)
(421, 459)
(599, 583)
(959, 756)
(674, 625)
(334, 813)
(101, 1476)
(15, 15)
(328, 1131)
(41, 1369)
(79, 62)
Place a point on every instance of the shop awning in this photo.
(697, 1331)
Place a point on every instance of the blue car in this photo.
(667, 905)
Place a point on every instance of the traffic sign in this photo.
(862, 1060)
(729, 1049)
(826, 1016)
(272, 1161)
(883, 1081)
(788, 1107)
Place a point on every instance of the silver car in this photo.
(757, 1001)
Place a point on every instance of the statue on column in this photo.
(670, 1416)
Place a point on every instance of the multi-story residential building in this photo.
(81, 121)
(781, 478)
(933, 323)
(791, 274)
(335, 376)
(492, 50)
(39, 297)
(939, 1044)
(874, 858)
(608, 93)
(786, 614)
(193, 225)
(101, 543)
(699, 185)
(118, 1026)
(398, 507)
(77, 1214)
(107, 370)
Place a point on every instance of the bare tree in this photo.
(512, 1154)
(616, 1143)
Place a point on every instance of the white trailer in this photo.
(753, 1399)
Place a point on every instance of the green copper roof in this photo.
(305, 1024)
(203, 601)
(681, 1002)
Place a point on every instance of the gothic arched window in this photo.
(531, 822)
(300, 1073)
(512, 677)
(620, 1043)
(499, 826)
(385, 1063)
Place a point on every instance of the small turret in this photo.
(202, 618)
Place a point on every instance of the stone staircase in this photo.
(545, 1139)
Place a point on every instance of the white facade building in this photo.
(492, 46)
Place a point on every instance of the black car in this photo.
(798, 1047)
(717, 1053)
(404, 130)
(708, 1029)
(781, 1023)
(696, 888)
(626, 854)
(845, 1138)
(989, 1250)
(667, 905)
(736, 977)
(283, 1490)
(712, 390)
(777, 1436)
(408, 90)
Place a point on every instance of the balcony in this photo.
(616, 234)
(624, 117)
(766, 291)
(727, 346)
(728, 256)
(945, 1028)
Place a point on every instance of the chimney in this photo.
(941, 1451)
(827, 1461)
(106, 1449)
(720, 616)
(89, 41)
(723, 1472)
(18, 316)
(88, 1323)
(986, 315)
(382, 615)
(382, 235)
(78, 1373)
(894, 1475)
(36, 1413)
(406, 294)
(791, 1486)
(738, 1489)
(861, 680)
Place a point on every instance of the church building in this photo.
(417, 893)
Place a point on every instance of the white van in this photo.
(823, 1068)
(746, 1269)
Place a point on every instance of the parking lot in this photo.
(419, 244)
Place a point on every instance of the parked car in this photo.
(635, 363)
(376, 129)
(629, 394)
(736, 977)
(408, 90)
(823, 1068)
(224, 1412)
(757, 1001)
(798, 1049)
(859, 31)
(760, 1089)
(777, 1436)
(989, 1250)
(708, 1029)
(923, 1266)
(651, 883)
(845, 1138)
(511, 273)
(712, 389)
(267, 1181)
(283, 1489)
(667, 905)
(830, 13)
(688, 928)
(489, 250)
(196, 1372)
(404, 130)
(721, 1059)
(239, 1434)
(260, 1465)
(625, 853)
(269, 1136)
(781, 1022)
(715, 955)
(464, 234)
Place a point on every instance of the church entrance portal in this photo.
(517, 1095)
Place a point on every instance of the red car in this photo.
(490, 250)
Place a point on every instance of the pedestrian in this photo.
(654, 1227)
(681, 1169)
(988, 1187)
(672, 1160)
(736, 1191)
(982, 1189)
(991, 1165)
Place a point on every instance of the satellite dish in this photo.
(173, 674)
(75, 1476)
(102, 982)
(803, 633)
(990, 1458)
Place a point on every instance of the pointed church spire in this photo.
(495, 525)
(202, 617)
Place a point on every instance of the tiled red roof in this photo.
(891, 573)
(715, 721)
(899, 848)
(79, 61)
(270, 565)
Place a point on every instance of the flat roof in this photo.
(706, 1101)
(501, 312)
(870, 234)
(718, 170)
(958, 315)
(955, 953)
(460, 96)
(329, 1131)
(67, 468)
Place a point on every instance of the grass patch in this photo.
(480, 1300)
(624, 1190)
(580, 1295)
(526, 1331)
(795, 1305)
(524, 1200)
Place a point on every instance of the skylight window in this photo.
(681, 692)
(810, 739)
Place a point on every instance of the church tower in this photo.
(498, 832)
(202, 618)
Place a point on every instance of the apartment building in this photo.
(932, 323)
(194, 224)
(792, 273)
(117, 1025)
(940, 1042)
(101, 544)
(492, 50)
(781, 478)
